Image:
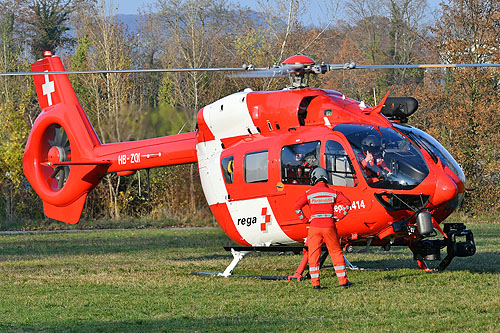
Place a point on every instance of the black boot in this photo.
(345, 286)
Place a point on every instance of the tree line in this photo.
(459, 107)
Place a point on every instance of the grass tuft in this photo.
(138, 280)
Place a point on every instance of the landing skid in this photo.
(350, 265)
(237, 256)
(239, 252)
(262, 277)
(422, 250)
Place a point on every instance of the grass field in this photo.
(138, 280)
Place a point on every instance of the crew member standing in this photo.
(322, 201)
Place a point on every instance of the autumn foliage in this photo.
(459, 107)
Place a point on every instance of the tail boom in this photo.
(150, 153)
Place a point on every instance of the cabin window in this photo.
(256, 167)
(227, 169)
(297, 162)
(338, 165)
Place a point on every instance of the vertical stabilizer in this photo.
(60, 145)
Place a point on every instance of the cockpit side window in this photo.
(297, 162)
(339, 166)
(227, 164)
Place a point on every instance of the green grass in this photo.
(138, 280)
(122, 223)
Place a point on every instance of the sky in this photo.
(131, 6)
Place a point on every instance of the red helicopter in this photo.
(255, 151)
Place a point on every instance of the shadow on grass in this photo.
(482, 262)
(243, 323)
(227, 256)
(108, 242)
(207, 243)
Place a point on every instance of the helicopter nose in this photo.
(446, 190)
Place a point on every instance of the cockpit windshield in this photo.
(386, 157)
(433, 147)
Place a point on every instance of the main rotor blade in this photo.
(355, 66)
(248, 71)
(127, 71)
(273, 72)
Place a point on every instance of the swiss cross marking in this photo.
(48, 88)
(267, 220)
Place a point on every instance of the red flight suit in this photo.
(327, 206)
(374, 169)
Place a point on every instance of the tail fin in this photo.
(52, 89)
(60, 146)
(64, 159)
(55, 89)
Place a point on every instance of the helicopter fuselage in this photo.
(256, 149)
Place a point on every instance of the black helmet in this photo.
(319, 174)
(371, 143)
(311, 159)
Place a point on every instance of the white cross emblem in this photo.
(48, 88)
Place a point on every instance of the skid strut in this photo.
(350, 265)
(237, 256)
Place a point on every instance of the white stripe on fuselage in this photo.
(229, 117)
(226, 118)
(250, 216)
(211, 172)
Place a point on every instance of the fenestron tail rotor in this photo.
(59, 150)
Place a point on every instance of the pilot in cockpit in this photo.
(372, 160)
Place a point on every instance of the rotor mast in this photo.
(299, 68)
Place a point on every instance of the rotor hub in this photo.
(299, 68)
(56, 154)
(298, 60)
